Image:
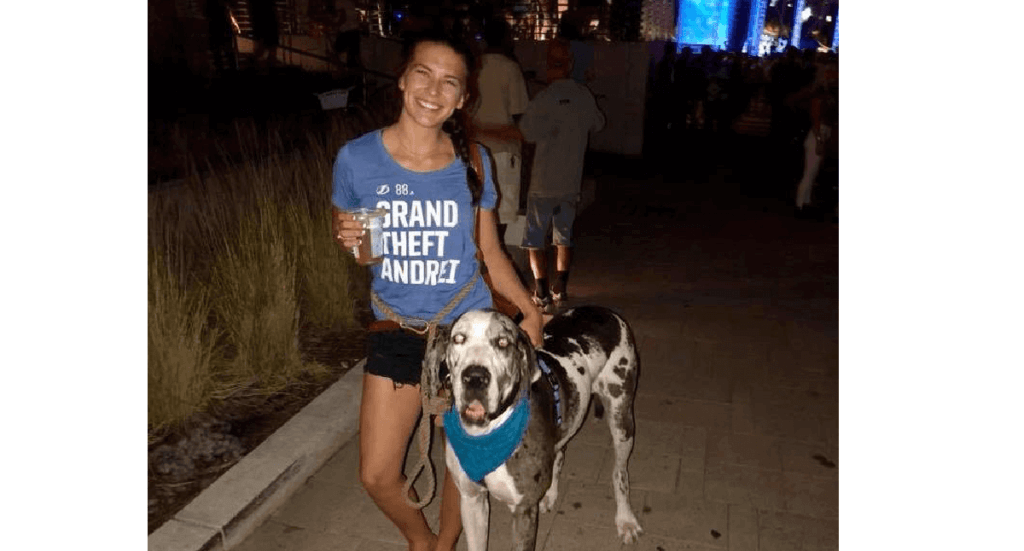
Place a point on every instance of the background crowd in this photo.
(709, 89)
(706, 94)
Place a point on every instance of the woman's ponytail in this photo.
(459, 127)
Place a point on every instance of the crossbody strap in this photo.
(419, 325)
(425, 327)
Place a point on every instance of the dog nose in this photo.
(476, 378)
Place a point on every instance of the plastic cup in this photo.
(371, 248)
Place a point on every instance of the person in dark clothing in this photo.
(661, 114)
(263, 15)
(783, 75)
(788, 125)
(222, 35)
(693, 83)
(347, 39)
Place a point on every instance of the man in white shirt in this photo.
(559, 120)
(503, 98)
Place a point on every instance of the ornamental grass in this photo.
(241, 260)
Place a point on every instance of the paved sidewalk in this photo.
(735, 308)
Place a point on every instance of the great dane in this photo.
(515, 408)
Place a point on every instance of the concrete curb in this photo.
(238, 502)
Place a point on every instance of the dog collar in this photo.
(553, 381)
(480, 455)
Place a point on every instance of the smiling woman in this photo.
(438, 85)
(434, 86)
(440, 194)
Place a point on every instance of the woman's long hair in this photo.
(459, 126)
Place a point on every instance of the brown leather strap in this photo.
(476, 161)
(383, 326)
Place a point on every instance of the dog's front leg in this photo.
(524, 528)
(475, 509)
(474, 504)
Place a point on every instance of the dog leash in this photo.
(432, 405)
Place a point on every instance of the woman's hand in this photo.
(347, 231)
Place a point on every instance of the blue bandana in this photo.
(480, 455)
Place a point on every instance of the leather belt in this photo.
(383, 326)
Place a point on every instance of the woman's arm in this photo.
(504, 277)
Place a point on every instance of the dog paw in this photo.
(548, 503)
(629, 530)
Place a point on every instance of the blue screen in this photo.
(703, 22)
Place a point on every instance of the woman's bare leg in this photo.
(451, 516)
(387, 418)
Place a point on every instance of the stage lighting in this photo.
(806, 14)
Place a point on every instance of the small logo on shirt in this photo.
(383, 189)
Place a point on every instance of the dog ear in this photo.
(435, 364)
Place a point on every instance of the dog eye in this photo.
(503, 342)
(459, 338)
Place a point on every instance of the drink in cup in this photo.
(371, 247)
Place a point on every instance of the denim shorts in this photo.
(558, 213)
(396, 355)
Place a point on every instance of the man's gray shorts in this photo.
(544, 212)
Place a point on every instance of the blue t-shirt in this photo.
(429, 246)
